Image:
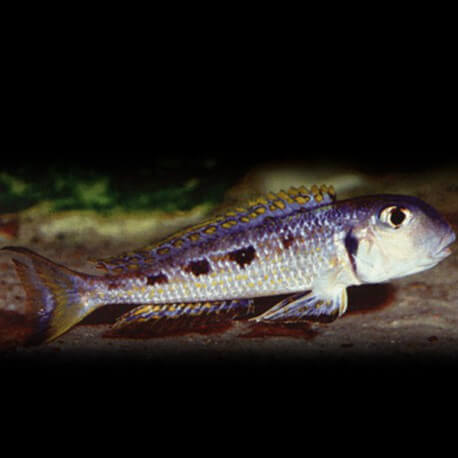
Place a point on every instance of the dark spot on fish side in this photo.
(156, 279)
(351, 245)
(287, 241)
(243, 256)
(198, 267)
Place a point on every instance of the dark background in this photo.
(375, 122)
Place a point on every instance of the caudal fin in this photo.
(54, 297)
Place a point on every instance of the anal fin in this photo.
(153, 313)
(307, 306)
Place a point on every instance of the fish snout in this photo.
(443, 248)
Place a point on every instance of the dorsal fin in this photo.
(256, 210)
(303, 197)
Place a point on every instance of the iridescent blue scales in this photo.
(300, 242)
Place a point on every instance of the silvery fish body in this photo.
(275, 251)
(300, 242)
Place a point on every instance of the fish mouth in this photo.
(443, 253)
(444, 247)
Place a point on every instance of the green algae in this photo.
(167, 185)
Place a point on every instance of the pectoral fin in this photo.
(307, 306)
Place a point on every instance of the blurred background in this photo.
(142, 180)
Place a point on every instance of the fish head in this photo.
(398, 236)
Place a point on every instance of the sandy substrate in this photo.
(411, 319)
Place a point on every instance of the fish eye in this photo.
(394, 216)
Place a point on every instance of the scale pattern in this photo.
(278, 249)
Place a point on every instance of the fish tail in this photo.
(54, 295)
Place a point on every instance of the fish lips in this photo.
(444, 249)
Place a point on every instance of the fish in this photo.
(302, 243)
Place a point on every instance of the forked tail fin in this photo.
(54, 294)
